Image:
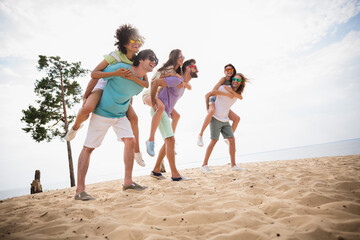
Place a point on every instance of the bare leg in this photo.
(209, 151)
(133, 118)
(208, 117)
(83, 165)
(87, 108)
(156, 118)
(161, 157)
(128, 159)
(175, 116)
(170, 154)
(232, 151)
(235, 119)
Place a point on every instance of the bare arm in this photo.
(220, 82)
(187, 85)
(98, 70)
(237, 95)
(154, 86)
(217, 92)
(122, 72)
(92, 83)
(144, 83)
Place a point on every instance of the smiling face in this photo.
(236, 82)
(134, 44)
(229, 71)
(149, 63)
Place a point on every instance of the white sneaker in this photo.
(226, 141)
(200, 141)
(72, 133)
(139, 160)
(236, 168)
(205, 169)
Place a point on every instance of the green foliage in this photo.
(56, 92)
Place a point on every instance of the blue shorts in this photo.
(212, 99)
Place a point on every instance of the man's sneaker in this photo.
(205, 169)
(72, 133)
(150, 147)
(134, 186)
(236, 168)
(139, 159)
(200, 141)
(226, 141)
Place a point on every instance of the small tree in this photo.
(57, 92)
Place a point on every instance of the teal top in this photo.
(117, 94)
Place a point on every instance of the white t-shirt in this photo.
(223, 105)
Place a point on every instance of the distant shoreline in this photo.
(337, 148)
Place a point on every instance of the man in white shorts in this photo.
(111, 112)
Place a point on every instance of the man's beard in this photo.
(193, 74)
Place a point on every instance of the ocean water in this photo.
(339, 148)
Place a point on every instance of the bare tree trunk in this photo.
(36, 185)
(71, 166)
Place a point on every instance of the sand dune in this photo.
(316, 198)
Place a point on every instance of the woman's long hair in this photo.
(172, 61)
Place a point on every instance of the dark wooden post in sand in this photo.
(35, 185)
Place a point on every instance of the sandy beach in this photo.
(314, 198)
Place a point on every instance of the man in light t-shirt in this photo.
(226, 96)
(172, 90)
(111, 112)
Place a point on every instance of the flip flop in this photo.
(84, 196)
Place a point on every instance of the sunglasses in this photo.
(237, 79)
(153, 59)
(135, 40)
(181, 57)
(194, 66)
(229, 70)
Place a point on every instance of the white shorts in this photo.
(99, 126)
(100, 84)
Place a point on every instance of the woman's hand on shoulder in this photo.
(122, 72)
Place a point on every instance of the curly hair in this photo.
(173, 57)
(123, 35)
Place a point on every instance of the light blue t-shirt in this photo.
(118, 91)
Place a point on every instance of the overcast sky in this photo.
(302, 58)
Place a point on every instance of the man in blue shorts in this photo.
(172, 90)
(111, 112)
